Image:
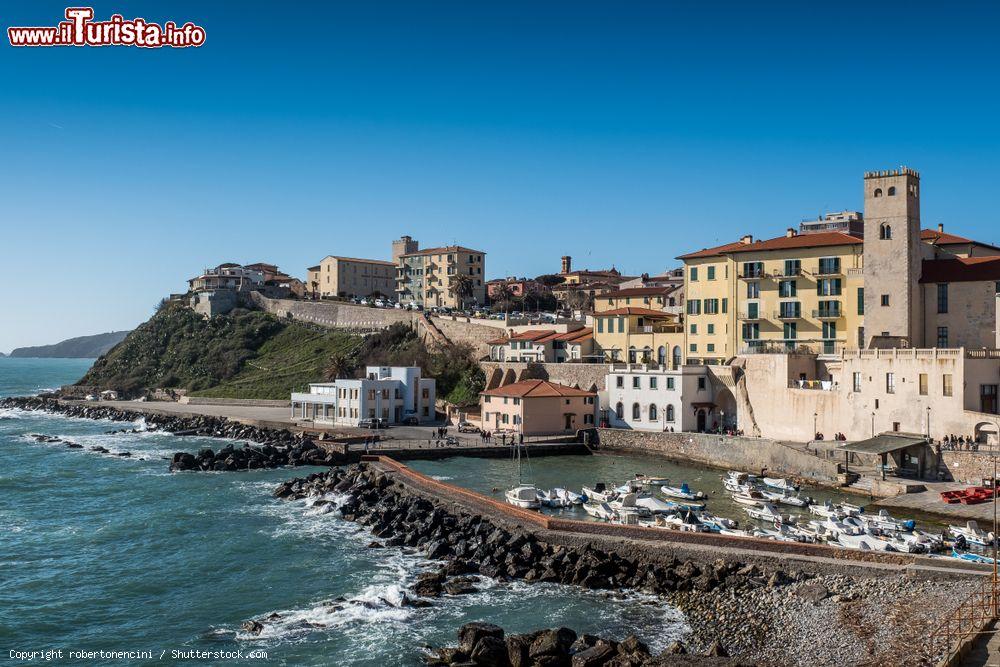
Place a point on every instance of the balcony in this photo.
(788, 314)
(754, 274)
(828, 314)
(749, 317)
(826, 270)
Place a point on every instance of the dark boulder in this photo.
(470, 634)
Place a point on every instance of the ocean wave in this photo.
(442, 478)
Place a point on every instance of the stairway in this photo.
(862, 484)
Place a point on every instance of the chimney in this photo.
(567, 264)
(747, 239)
(940, 228)
(790, 232)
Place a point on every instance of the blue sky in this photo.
(619, 133)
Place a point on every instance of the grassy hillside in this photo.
(249, 354)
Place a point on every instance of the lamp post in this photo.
(873, 424)
(815, 427)
(928, 422)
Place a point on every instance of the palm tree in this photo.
(461, 286)
(503, 295)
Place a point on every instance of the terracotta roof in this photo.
(359, 259)
(638, 291)
(443, 250)
(632, 310)
(545, 335)
(942, 238)
(712, 252)
(536, 389)
(820, 240)
(577, 336)
(960, 270)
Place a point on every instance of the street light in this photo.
(928, 422)
(815, 428)
(873, 424)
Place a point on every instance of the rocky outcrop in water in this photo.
(274, 448)
(487, 645)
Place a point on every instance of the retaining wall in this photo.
(584, 376)
(242, 402)
(750, 454)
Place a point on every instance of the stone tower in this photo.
(892, 255)
(404, 246)
(567, 264)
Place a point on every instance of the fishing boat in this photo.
(779, 483)
(852, 510)
(886, 522)
(785, 498)
(716, 523)
(736, 532)
(827, 510)
(767, 512)
(599, 510)
(599, 493)
(649, 480)
(654, 505)
(751, 498)
(835, 527)
(971, 557)
(864, 542)
(552, 499)
(626, 503)
(682, 492)
(972, 533)
(523, 495)
(685, 506)
(569, 497)
(687, 522)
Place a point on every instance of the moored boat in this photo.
(972, 533)
(779, 483)
(524, 496)
(683, 492)
(751, 498)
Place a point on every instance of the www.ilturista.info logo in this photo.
(79, 29)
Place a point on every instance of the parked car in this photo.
(410, 421)
(466, 427)
(373, 423)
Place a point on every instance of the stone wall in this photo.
(334, 313)
(250, 403)
(748, 454)
(967, 467)
(584, 376)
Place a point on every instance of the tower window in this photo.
(877, 193)
(892, 191)
(885, 299)
(885, 232)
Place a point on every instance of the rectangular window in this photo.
(922, 382)
(885, 300)
(711, 306)
(670, 383)
(635, 382)
(693, 274)
(988, 398)
(857, 382)
(790, 331)
(711, 328)
(861, 301)
(942, 298)
(619, 381)
(751, 331)
(725, 305)
(890, 383)
(787, 289)
(829, 330)
(694, 329)
(753, 310)
(694, 307)
(789, 309)
(652, 382)
(793, 267)
(693, 347)
(711, 273)
(600, 325)
(946, 384)
(942, 336)
(828, 286)
(701, 384)
(621, 325)
(829, 266)
(829, 309)
(753, 290)
(711, 347)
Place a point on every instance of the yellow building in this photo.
(450, 277)
(794, 292)
(349, 277)
(655, 298)
(639, 335)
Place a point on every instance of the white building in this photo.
(649, 397)
(393, 394)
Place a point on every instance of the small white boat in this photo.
(687, 522)
(827, 510)
(716, 523)
(886, 522)
(569, 497)
(653, 504)
(865, 542)
(550, 499)
(767, 512)
(682, 492)
(626, 503)
(647, 480)
(851, 510)
(599, 510)
(751, 498)
(627, 517)
(972, 534)
(599, 493)
(834, 527)
(779, 483)
(785, 498)
(524, 496)
(784, 533)
(735, 532)
(734, 486)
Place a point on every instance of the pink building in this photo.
(537, 407)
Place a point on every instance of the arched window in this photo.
(670, 413)
(636, 412)
(878, 192)
(647, 354)
(631, 355)
(661, 356)
(652, 412)
(892, 191)
(885, 232)
(620, 410)
(677, 357)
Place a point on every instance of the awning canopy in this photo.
(883, 443)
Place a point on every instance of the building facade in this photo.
(650, 397)
(537, 407)
(337, 276)
(390, 393)
(448, 277)
(639, 335)
(544, 346)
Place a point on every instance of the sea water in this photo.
(103, 552)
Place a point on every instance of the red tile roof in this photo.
(632, 310)
(935, 237)
(545, 335)
(960, 270)
(537, 389)
(819, 240)
(444, 250)
(712, 252)
(638, 291)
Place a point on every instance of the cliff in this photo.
(82, 347)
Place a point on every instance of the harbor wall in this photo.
(742, 453)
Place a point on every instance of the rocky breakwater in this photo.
(759, 614)
(488, 645)
(273, 447)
